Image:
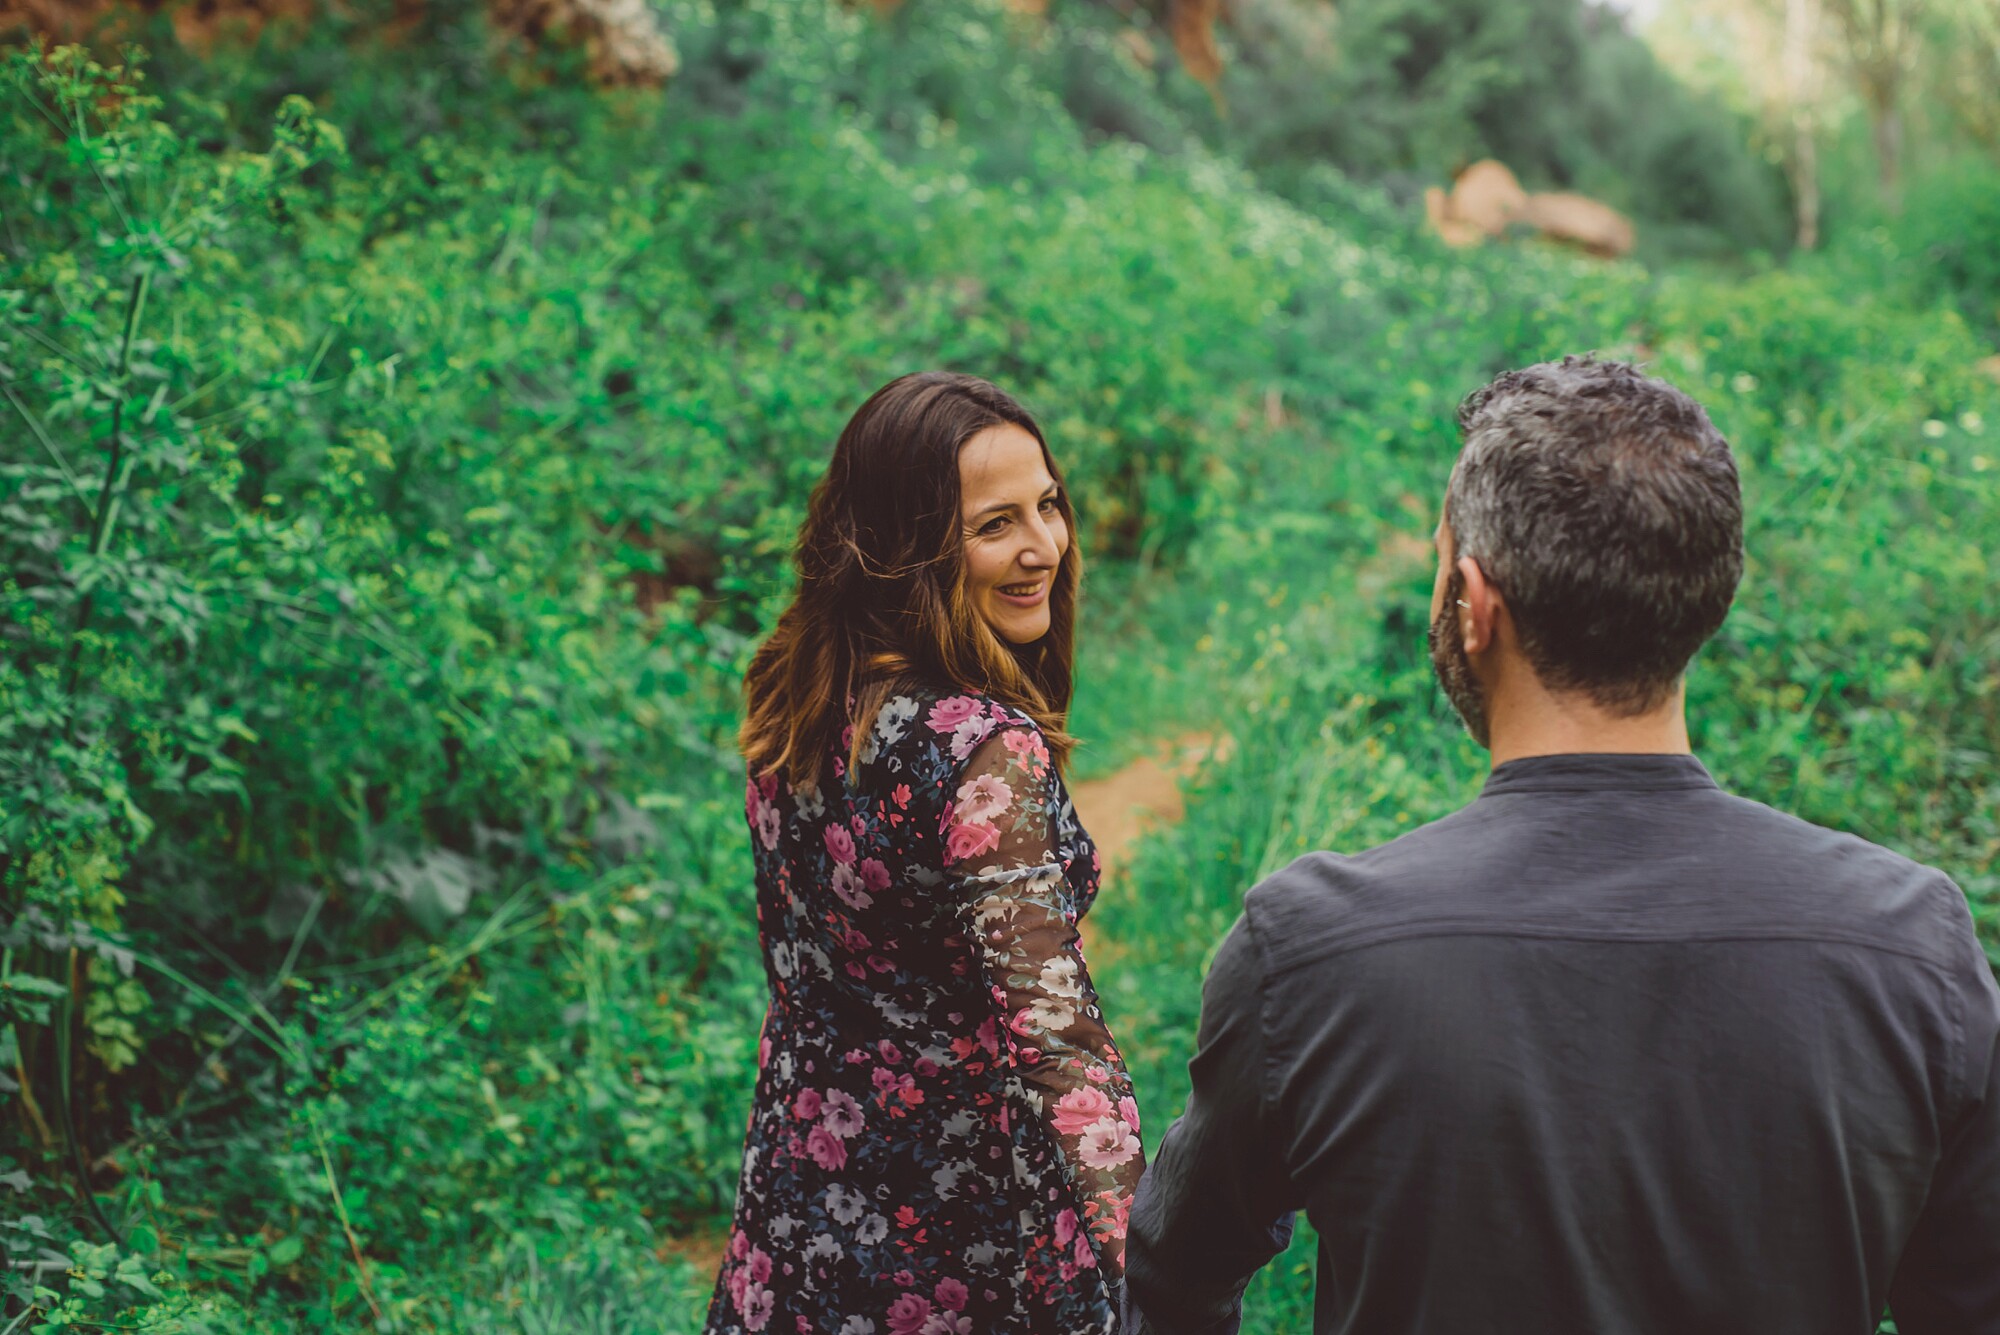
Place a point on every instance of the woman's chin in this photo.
(1023, 632)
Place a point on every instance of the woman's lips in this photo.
(1041, 591)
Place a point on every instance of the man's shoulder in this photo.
(1324, 901)
(1492, 867)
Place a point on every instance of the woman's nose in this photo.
(1042, 549)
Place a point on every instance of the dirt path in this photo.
(1120, 807)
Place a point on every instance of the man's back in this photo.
(1609, 1050)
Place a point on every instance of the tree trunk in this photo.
(1887, 122)
(1802, 163)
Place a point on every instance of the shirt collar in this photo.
(1597, 771)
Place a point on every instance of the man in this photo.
(1608, 1050)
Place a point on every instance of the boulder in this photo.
(1487, 199)
(1487, 196)
(1578, 220)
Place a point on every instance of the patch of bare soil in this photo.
(702, 1250)
(1120, 807)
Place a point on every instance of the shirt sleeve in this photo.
(1948, 1281)
(1218, 1202)
(1001, 852)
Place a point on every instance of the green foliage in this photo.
(397, 477)
(1950, 215)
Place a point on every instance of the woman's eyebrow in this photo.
(995, 508)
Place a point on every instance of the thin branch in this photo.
(346, 1225)
(41, 434)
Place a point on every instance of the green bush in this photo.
(376, 944)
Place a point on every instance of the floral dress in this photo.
(944, 1139)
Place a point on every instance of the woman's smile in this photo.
(1027, 594)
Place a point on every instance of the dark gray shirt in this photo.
(1607, 1051)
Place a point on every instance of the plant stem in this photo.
(116, 470)
(78, 1159)
(346, 1225)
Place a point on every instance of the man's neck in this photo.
(1532, 721)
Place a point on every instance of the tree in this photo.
(1881, 42)
(1801, 83)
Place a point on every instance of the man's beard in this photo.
(1453, 668)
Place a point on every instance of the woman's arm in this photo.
(1000, 850)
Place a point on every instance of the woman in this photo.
(944, 1139)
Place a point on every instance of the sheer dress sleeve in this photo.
(1001, 852)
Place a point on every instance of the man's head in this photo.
(1601, 508)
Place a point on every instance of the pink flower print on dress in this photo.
(1107, 1144)
(900, 794)
(981, 798)
(946, 1323)
(1080, 1109)
(759, 1266)
(847, 884)
(840, 843)
(1129, 1110)
(947, 714)
(827, 1150)
(951, 1294)
(1023, 742)
(969, 841)
(874, 875)
(1066, 1227)
(757, 1308)
(768, 826)
(1085, 1258)
(908, 1314)
(739, 1246)
(968, 735)
(843, 1114)
(807, 1106)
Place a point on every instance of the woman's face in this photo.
(1015, 533)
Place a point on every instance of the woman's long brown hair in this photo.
(881, 602)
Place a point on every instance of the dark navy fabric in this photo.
(1609, 1050)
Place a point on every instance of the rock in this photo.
(1456, 234)
(1578, 220)
(1486, 200)
(1487, 197)
(1191, 23)
(622, 38)
(1140, 47)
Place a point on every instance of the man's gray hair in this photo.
(1605, 507)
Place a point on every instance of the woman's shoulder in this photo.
(950, 721)
(973, 715)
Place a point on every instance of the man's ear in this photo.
(1479, 609)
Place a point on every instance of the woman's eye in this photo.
(1049, 505)
(994, 525)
